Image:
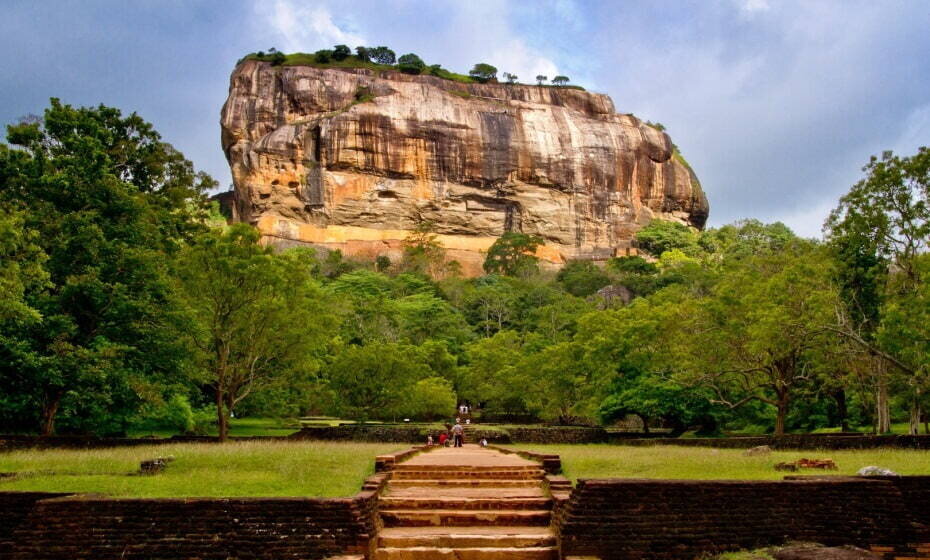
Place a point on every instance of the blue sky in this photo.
(776, 104)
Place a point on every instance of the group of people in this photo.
(464, 409)
(457, 431)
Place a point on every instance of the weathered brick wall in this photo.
(799, 441)
(915, 491)
(86, 527)
(682, 519)
(557, 434)
(14, 508)
(386, 433)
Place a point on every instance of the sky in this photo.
(776, 104)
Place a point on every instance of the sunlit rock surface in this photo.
(355, 159)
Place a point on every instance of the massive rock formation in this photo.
(354, 159)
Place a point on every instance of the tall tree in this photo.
(513, 254)
(107, 199)
(257, 316)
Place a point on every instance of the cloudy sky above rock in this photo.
(776, 104)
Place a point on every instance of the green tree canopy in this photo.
(483, 72)
(513, 254)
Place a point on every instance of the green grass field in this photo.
(320, 469)
(612, 461)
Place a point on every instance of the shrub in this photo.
(323, 56)
(410, 64)
(483, 72)
(341, 52)
(382, 55)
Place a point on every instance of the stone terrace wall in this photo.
(102, 528)
(14, 509)
(627, 519)
(800, 441)
(417, 434)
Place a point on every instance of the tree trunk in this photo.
(49, 409)
(645, 423)
(914, 427)
(882, 405)
(842, 411)
(222, 421)
(782, 412)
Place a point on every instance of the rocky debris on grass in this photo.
(154, 466)
(804, 463)
(872, 470)
(819, 552)
(755, 451)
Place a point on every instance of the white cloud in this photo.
(751, 7)
(305, 28)
(517, 58)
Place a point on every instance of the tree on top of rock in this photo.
(560, 80)
(410, 64)
(540, 79)
(382, 55)
(483, 72)
(341, 52)
(513, 254)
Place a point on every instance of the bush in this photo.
(175, 414)
(483, 72)
(341, 52)
(410, 64)
(323, 56)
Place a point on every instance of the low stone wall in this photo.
(627, 519)
(103, 528)
(378, 433)
(15, 507)
(557, 434)
(10, 442)
(799, 441)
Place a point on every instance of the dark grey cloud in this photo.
(776, 104)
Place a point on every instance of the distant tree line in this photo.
(409, 63)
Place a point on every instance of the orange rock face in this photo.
(355, 159)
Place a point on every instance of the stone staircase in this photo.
(466, 504)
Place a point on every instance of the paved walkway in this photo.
(467, 503)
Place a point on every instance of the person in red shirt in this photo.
(442, 439)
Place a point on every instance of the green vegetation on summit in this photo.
(384, 59)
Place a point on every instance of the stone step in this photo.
(471, 483)
(466, 537)
(464, 492)
(413, 466)
(463, 518)
(443, 502)
(433, 553)
(449, 474)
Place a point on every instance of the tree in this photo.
(513, 254)
(879, 229)
(375, 380)
(363, 54)
(106, 201)
(323, 56)
(341, 52)
(662, 235)
(540, 79)
(410, 64)
(432, 398)
(483, 72)
(423, 253)
(757, 336)
(560, 80)
(257, 316)
(382, 55)
(511, 78)
(582, 278)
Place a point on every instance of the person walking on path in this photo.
(458, 434)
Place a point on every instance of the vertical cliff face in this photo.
(355, 159)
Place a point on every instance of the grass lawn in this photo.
(319, 469)
(237, 427)
(619, 461)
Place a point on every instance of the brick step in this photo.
(465, 468)
(471, 483)
(419, 503)
(464, 492)
(446, 474)
(466, 537)
(432, 553)
(463, 518)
